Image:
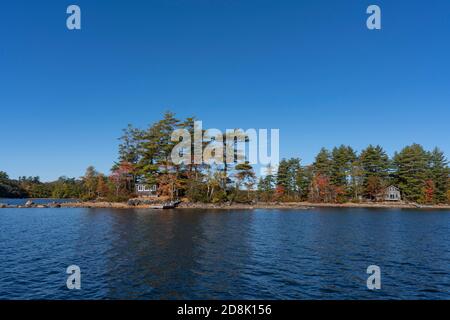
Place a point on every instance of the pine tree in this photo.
(129, 146)
(303, 181)
(439, 175)
(343, 159)
(283, 175)
(245, 175)
(294, 169)
(155, 150)
(374, 164)
(323, 163)
(266, 185)
(288, 174)
(412, 171)
(356, 180)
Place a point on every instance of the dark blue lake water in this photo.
(201, 254)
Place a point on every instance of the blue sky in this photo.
(310, 68)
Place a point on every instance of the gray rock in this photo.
(29, 204)
(134, 202)
(54, 205)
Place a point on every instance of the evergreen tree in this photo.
(374, 164)
(261, 189)
(321, 189)
(266, 185)
(303, 181)
(323, 163)
(245, 175)
(412, 171)
(343, 159)
(155, 150)
(129, 146)
(282, 174)
(357, 180)
(288, 175)
(439, 172)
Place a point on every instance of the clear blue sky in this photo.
(310, 68)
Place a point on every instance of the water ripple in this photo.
(199, 254)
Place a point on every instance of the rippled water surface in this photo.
(204, 254)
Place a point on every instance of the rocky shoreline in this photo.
(31, 204)
(309, 205)
(152, 204)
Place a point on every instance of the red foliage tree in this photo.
(280, 191)
(122, 178)
(321, 189)
(429, 191)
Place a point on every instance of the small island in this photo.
(144, 176)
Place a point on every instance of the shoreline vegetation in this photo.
(340, 177)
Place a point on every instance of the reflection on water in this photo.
(204, 254)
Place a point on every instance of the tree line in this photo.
(33, 187)
(342, 175)
(336, 176)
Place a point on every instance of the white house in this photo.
(145, 190)
(391, 193)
